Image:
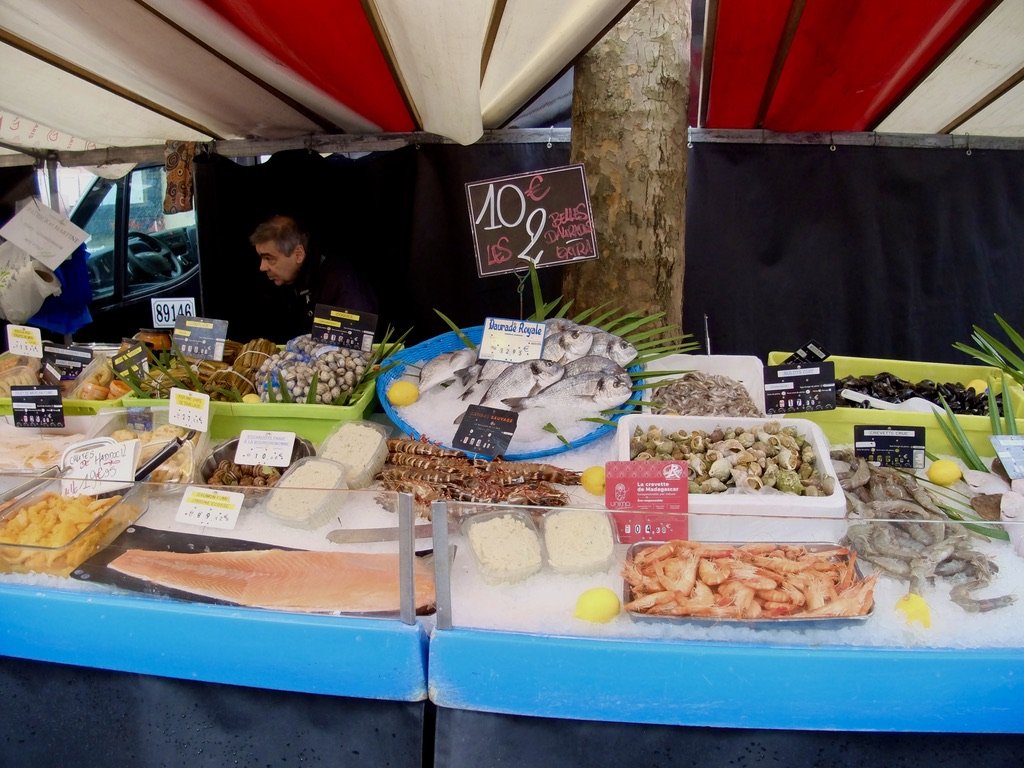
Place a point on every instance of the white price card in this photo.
(512, 341)
(264, 448)
(188, 409)
(98, 466)
(167, 311)
(24, 340)
(209, 507)
(44, 234)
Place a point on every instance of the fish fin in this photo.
(514, 403)
(464, 375)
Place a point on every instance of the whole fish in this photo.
(443, 368)
(614, 347)
(480, 377)
(520, 380)
(583, 394)
(567, 345)
(593, 364)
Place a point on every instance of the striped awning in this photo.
(910, 66)
(134, 72)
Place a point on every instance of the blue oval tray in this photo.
(448, 342)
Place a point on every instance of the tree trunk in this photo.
(629, 121)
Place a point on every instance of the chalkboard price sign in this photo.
(541, 218)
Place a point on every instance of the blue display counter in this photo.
(729, 685)
(339, 656)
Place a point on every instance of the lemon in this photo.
(592, 480)
(403, 393)
(252, 397)
(599, 604)
(977, 385)
(944, 472)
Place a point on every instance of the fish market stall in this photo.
(791, 574)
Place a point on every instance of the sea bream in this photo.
(614, 347)
(444, 368)
(593, 364)
(583, 394)
(520, 380)
(567, 345)
(479, 377)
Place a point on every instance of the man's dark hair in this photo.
(282, 231)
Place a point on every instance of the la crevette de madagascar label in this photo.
(890, 446)
(649, 499)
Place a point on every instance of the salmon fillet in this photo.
(314, 582)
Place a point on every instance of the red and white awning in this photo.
(134, 72)
(912, 66)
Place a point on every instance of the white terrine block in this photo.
(756, 516)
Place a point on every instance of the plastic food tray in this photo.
(790, 622)
(526, 570)
(746, 369)
(21, 556)
(838, 424)
(448, 342)
(755, 516)
(226, 450)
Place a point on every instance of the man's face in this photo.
(282, 268)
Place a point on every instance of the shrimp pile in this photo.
(903, 533)
(749, 581)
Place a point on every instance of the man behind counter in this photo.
(308, 279)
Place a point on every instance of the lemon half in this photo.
(599, 604)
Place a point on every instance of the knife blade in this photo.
(366, 535)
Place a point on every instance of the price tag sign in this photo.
(264, 448)
(799, 388)
(643, 487)
(98, 466)
(24, 340)
(188, 409)
(512, 341)
(486, 431)
(133, 361)
(37, 406)
(209, 507)
(64, 363)
(1010, 450)
(541, 218)
(340, 327)
(901, 447)
(200, 337)
(811, 352)
(167, 311)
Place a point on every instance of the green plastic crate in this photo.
(838, 424)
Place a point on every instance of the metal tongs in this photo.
(142, 473)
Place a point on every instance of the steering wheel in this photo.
(155, 259)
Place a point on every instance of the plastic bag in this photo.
(24, 284)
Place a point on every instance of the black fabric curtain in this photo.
(401, 216)
(872, 251)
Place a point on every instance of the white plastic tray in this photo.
(746, 369)
(743, 517)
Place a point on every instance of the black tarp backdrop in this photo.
(873, 251)
(401, 216)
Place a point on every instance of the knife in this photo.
(365, 535)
